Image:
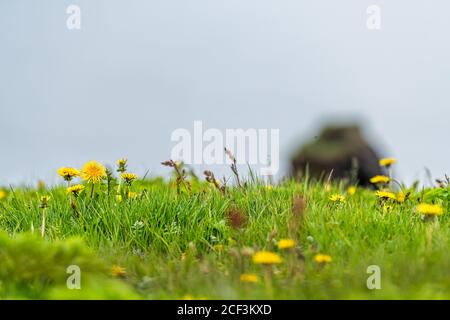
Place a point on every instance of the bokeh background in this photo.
(137, 70)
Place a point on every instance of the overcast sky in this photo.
(137, 70)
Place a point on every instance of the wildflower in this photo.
(93, 172)
(188, 297)
(118, 271)
(322, 258)
(132, 195)
(128, 177)
(269, 187)
(44, 202)
(266, 257)
(249, 277)
(236, 218)
(430, 209)
(387, 162)
(286, 244)
(351, 190)
(387, 208)
(2, 194)
(75, 190)
(122, 165)
(379, 179)
(337, 198)
(385, 195)
(119, 198)
(68, 173)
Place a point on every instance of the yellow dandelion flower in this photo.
(351, 190)
(119, 198)
(122, 165)
(285, 244)
(132, 195)
(249, 277)
(322, 258)
(266, 257)
(44, 201)
(269, 187)
(68, 173)
(75, 190)
(387, 162)
(401, 197)
(379, 179)
(2, 194)
(430, 209)
(337, 198)
(118, 271)
(128, 177)
(122, 162)
(385, 195)
(93, 172)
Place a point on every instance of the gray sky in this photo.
(137, 70)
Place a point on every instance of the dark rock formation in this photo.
(341, 150)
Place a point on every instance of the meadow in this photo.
(195, 237)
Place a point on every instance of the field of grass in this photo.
(156, 239)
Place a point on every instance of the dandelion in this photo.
(132, 195)
(337, 198)
(75, 190)
(351, 190)
(118, 271)
(2, 194)
(122, 165)
(269, 187)
(44, 202)
(266, 257)
(387, 162)
(401, 197)
(128, 177)
(285, 244)
(68, 173)
(430, 209)
(322, 258)
(93, 172)
(380, 179)
(119, 198)
(249, 278)
(385, 195)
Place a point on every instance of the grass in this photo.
(175, 243)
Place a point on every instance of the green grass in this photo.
(173, 245)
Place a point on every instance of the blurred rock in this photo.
(342, 150)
